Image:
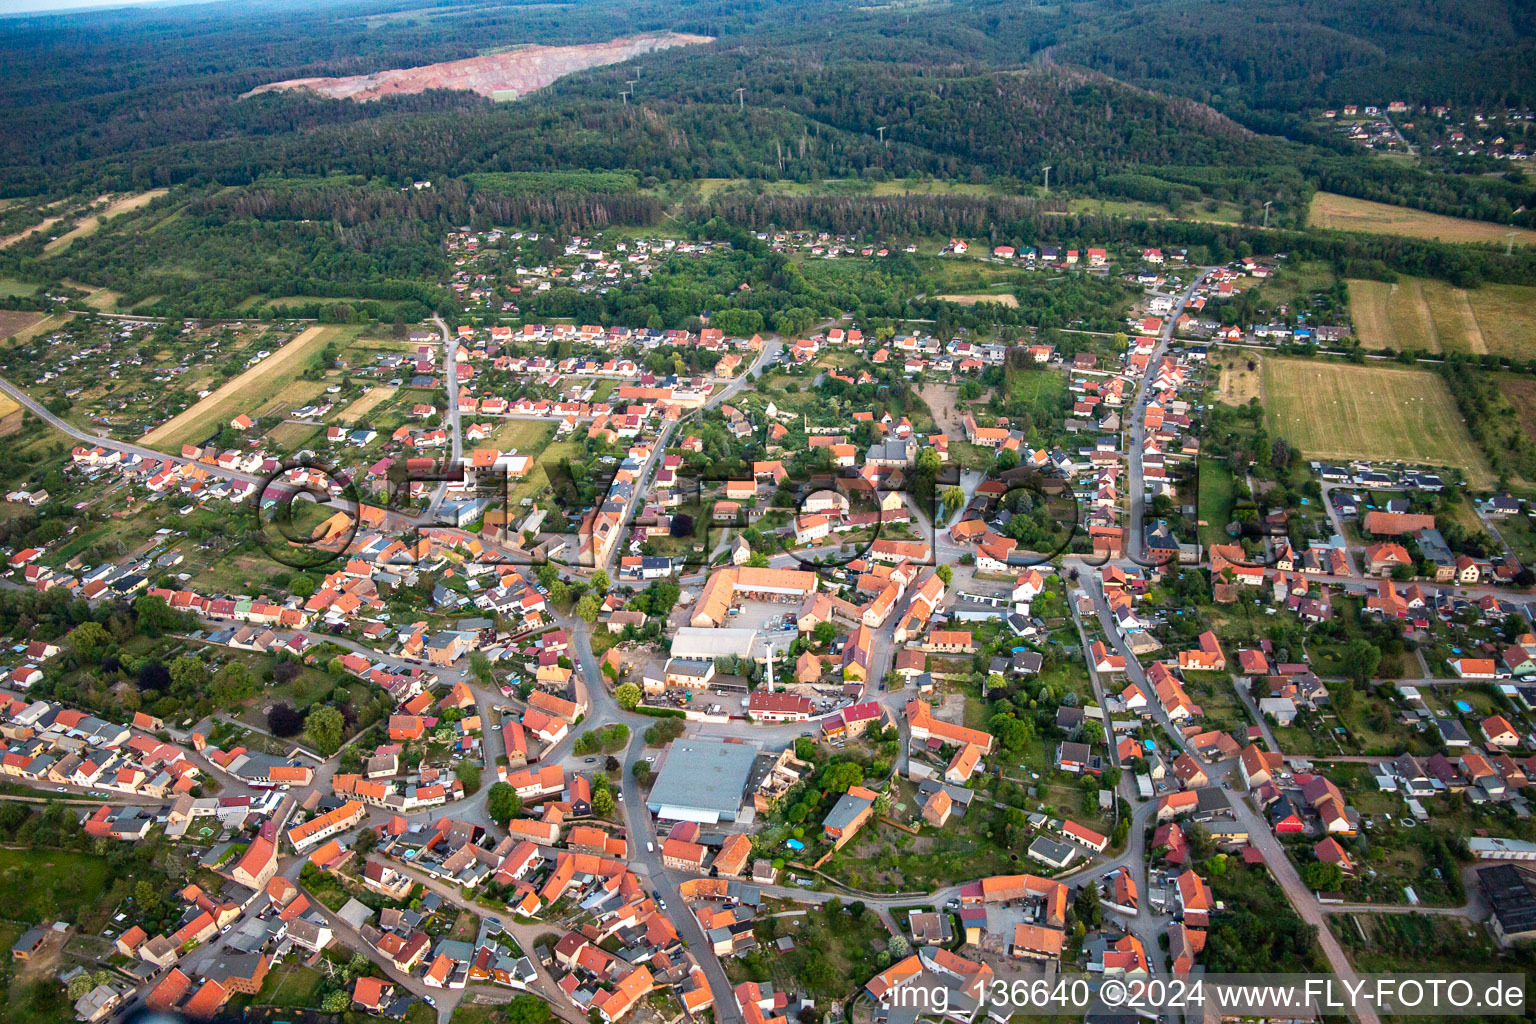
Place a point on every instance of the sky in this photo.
(8, 7)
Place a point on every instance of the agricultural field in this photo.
(13, 322)
(370, 400)
(1340, 410)
(1506, 316)
(1433, 316)
(1343, 213)
(1413, 314)
(247, 392)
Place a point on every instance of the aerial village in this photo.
(649, 674)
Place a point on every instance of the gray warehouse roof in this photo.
(702, 779)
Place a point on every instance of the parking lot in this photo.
(764, 616)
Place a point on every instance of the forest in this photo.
(287, 194)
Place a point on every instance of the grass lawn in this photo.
(1520, 535)
(10, 287)
(1340, 410)
(526, 437)
(294, 395)
(1345, 213)
(369, 400)
(1222, 707)
(537, 480)
(286, 437)
(289, 985)
(1217, 493)
(52, 884)
(833, 955)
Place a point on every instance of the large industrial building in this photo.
(703, 780)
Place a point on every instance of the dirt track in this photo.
(238, 393)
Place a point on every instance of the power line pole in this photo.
(1509, 243)
(741, 97)
(1266, 212)
(881, 130)
(1047, 177)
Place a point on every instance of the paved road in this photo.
(1138, 424)
(1302, 900)
(112, 444)
(451, 418)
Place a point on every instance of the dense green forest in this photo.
(1169, 102)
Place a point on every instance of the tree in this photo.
(146, 897)
(600, 582)
(641, 770)
(945, 573)
(468, 772)
(628, 696)
(527, 1009)
(840, 776)
(1321, 876)
(336, 1002)
(324, 727)
(502, 803)
(188, 673)
(1360, 658)
(1279, 453)
(588, 607)
(1013, 734)
(365, 842)
(80, 985)
(284, 720)
(602, 802)
(90, 641)
(824, 633)
(1086, 904)
(1341, 695)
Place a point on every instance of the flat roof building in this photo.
(702, 780)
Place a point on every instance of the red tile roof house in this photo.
(1085, 835)
(1498, 732)
(1208, 658)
